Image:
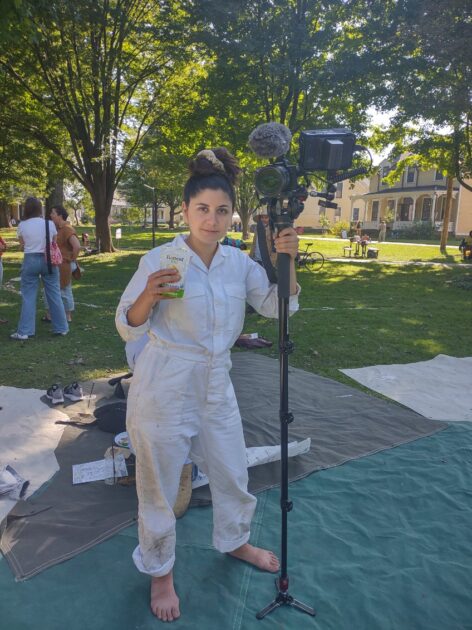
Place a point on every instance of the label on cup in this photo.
(175, 258)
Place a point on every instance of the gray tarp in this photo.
(343, 423)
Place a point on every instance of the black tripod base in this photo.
(284, 599)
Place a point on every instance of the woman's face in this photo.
(208, 215)
(54, 216)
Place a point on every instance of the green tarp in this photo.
(380, 543)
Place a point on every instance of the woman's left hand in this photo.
(287, 242)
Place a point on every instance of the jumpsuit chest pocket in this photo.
(235, 305)
(190, 312)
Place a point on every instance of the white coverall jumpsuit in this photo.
(181, 402)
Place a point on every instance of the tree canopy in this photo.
(128, 90)
(106, 72)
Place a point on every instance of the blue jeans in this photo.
(67, 298)
(35, 267)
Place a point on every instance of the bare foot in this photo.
(261, 558)
(164, 600)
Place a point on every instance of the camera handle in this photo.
(283, 598)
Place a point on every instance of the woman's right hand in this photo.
(155, 289)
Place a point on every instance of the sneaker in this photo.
(18, 337)
(55, 394)
(59, 334)
(74, 392)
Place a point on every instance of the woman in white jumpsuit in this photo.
(181, 402)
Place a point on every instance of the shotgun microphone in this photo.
(270, 140)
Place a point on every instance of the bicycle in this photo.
(313, 261)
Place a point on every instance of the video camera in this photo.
(328, 150)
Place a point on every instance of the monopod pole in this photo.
(285, 348)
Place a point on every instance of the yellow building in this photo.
(419, 196)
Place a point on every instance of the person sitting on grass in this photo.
(466, 246)
(181, 401)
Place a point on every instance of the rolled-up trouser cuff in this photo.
(152, 571)
(225, 546)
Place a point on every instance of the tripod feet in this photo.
(284, 599)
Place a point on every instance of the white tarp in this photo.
(28, 438)
(439, 389)
(257, 455)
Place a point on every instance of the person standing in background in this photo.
(382, 231)
(69, 245)
(32, 236)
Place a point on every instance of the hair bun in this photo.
(217, 161)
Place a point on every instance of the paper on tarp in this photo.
(99, 470)
(258, 455)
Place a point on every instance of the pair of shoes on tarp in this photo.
(57, 394)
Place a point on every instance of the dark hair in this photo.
(61, 211)
(32, 208)
(205, 174)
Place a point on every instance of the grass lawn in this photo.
(351, 314)
(388, 251)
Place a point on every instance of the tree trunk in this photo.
(56, 196)
(172, 212)
(447, 214)
(102, 206)
(4, 214)
(244, 213)
(245, 222)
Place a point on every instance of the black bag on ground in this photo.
(111, 418)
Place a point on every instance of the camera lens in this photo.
(272, 180)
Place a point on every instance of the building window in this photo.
(426, 209)
(339, 190)
(410, 174)
(391, 204)
(375, 211)
(404, 209)
(440, 207)
(337, 212)
(438, 176)
(385, 171)
(322, 211)
(355, 214)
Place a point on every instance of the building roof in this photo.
(410, 189)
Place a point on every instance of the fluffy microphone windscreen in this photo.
(270, 140)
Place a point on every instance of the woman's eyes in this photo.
(220, 210)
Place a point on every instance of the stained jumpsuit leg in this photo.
(220, 451)
(162, 418)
